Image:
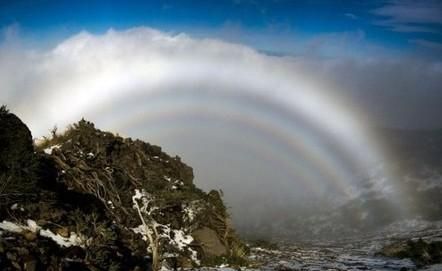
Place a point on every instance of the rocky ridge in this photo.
(91, 200)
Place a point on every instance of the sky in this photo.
(271, 101)
(279, 27)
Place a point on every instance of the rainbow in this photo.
(223, 107)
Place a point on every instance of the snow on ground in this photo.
(72, 240)
(167, 178)
(181, 240)
(49, 150)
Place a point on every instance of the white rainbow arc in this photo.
(169, 83)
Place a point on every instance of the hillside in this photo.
(92, 200)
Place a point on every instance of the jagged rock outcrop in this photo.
(18, 163)
(92, 200)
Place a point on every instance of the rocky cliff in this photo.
(91, 200)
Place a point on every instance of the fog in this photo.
(279, 135)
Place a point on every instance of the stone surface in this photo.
(210, 242)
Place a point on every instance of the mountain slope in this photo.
(91, 200)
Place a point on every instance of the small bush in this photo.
(4, 109)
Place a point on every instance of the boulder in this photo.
(18, 163)
(419, 251)
(210, 242)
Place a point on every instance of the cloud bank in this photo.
(273, 132)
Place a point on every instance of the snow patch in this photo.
(181, 240)
(189, 213)
(141, 230)
(73, 240)
(111, 204)
(51, 148)
(167, 178)
(11, 227)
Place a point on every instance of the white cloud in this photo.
(410, 16)
(427, 11)
(87, 71)
(428, 44)
(351, 16)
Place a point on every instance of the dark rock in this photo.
(63, 231)
(29, 235)
(421, 252)
(30, 265)
(15, 141)
(18, 163)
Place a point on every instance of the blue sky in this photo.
(280, 27)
